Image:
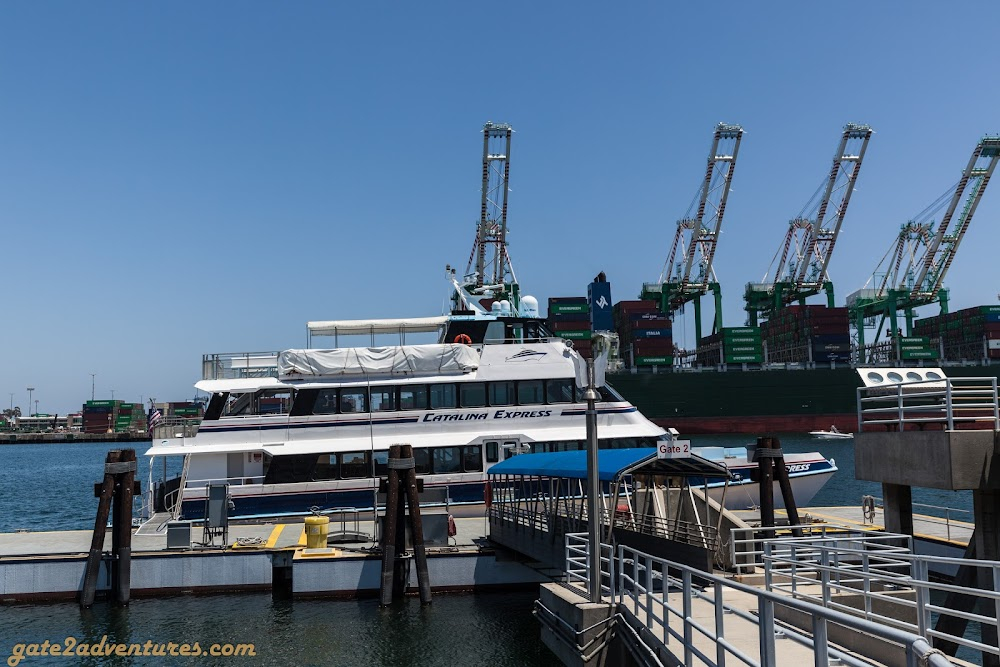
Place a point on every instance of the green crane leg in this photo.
(859, 324)
(717, 293)
(829, 295)
(909, 321)
(697, 319)
(943, 299)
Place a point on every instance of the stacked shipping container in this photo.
(798, 334)
(569, 318)
(964, 334)
(645, 335)
(732, 345)
(113, 416)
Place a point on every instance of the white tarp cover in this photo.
(395, 360)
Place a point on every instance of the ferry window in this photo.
(353, 465)
(274, 402)
(494, 333)
(447, 460)
(216, 406)
(413, 397)
(237, 404)
(383, 399)
(529, 392)
(381, 460)
(559, 391)
(492, 451)
(473, 458)
(442, 396)
(326, 467)
(290, 468)
(353, 400)
(326, 402)
(305, 401)
(501, 393)
(473, 394)
(422, 461)
(609, 395)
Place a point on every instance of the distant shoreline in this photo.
(51, 438)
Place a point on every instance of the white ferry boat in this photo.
(312, 428)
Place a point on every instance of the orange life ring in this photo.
(463, 339)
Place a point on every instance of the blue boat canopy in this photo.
(612, 464)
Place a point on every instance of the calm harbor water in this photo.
(50, 487)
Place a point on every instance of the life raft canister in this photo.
(488, 495)
(463, 339)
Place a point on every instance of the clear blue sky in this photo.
(182, 178)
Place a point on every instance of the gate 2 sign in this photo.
(673, 449)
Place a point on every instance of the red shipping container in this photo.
(652, 347)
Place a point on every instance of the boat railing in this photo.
(891, 589)
(968, 402)
(672, 604)
(175, 427)
(244, 480)
(747, 545)
(233, 365)
(877, 504)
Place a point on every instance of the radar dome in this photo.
(529, 306)
(505, 308)
(495, 308)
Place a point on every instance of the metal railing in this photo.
(175, 427)
(894, 586)
(746, 545)
(946, 519)
(659, 597)
(949, 401)
(231, 365)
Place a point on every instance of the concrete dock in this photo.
(47, 566)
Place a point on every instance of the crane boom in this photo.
(803, 269)
(823, 233)
(712, 202)
(944, 244)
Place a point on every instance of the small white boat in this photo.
(832, 434)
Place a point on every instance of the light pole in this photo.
(11, 401)
(30, 389)
(92, 385)
(112, 394)
(36, 407)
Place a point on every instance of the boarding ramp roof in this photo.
(612, 464)
(384, 326)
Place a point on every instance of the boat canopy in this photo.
(390, 326)
(394, 360)
(612, 464)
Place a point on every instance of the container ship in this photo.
(795, 373)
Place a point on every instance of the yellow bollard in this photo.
(317, 528)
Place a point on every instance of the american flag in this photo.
(154, 418)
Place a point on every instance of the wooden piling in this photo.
(389, 530)
(417, 528)
(122, 528)
(785, 484)
(765, 467)
(93, 567)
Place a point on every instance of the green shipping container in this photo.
(744, 358)
(914, 340)
(570, 335)
(102, 404)
(743, 349)
(919, 354)
(654, 361)
(558, 308)
(743, 339)
(740, 331)
(989, 310)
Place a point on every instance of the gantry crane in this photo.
(688, 274)
(805, 253)
(923, 252)
(489, 274)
